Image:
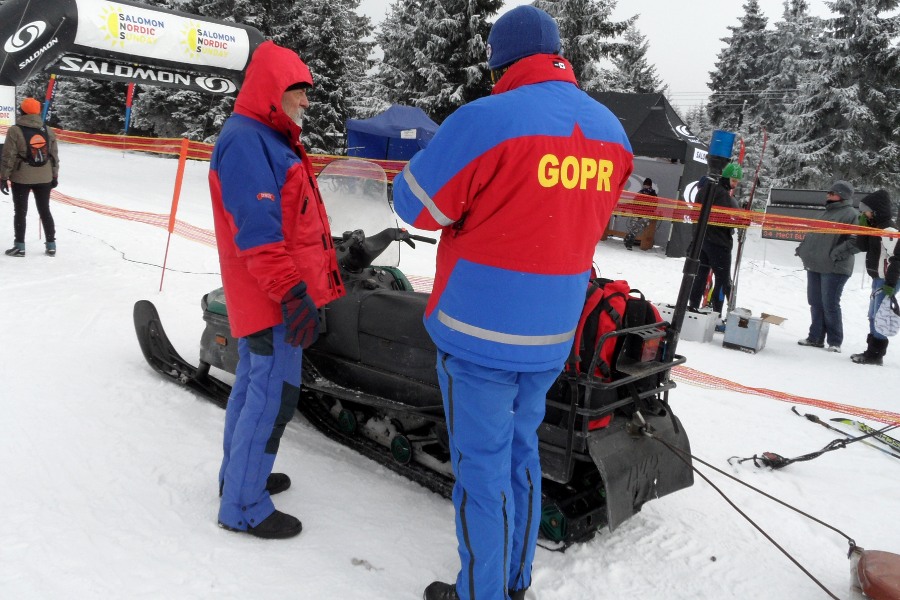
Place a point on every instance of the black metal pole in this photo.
(692, 262)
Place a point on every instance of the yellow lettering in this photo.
(605, 168)
(569, 163)
(548, 170)
(588, 171)
(574, 171)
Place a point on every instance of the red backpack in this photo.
(609, 306)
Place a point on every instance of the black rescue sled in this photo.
(370, 380)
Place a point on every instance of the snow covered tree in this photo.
(331, 38)
(738, 65)
(632, 72)
(792, 48)
(588, 36)
(697, 120)
(844, 124)
(434, 53)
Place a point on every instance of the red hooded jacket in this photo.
(271, 227)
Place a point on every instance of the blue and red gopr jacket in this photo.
(521, 185)
(271, 227)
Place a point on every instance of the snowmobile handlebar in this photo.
(356, 251)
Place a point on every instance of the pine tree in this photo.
(739, 64)
(434, 53)
(587, 37)
(331, 38)
(632, 72)
(697, 120)
(792, 47)
(844, 123)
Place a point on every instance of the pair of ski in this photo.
(891, 445)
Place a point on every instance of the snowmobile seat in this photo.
(392, 335)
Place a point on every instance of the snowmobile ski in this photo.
(879, 435)
(162, 356)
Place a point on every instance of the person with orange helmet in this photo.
(30, 161)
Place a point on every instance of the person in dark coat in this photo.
(715, 253)
(875, 211)
(828, 260)
(29, 135)
(637, 225)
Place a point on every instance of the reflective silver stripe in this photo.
(442, 219)
(504, 338)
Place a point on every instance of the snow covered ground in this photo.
(109, 472)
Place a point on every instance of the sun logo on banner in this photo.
(110, 19)
(190, 40)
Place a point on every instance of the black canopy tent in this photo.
(665, 150)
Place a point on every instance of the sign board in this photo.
(806, 204)
(408, 134)
(7, 109)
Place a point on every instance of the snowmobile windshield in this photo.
(356, 197)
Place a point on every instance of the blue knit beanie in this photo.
(523, 31)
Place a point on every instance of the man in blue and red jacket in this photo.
(521, 185)
(278, 265)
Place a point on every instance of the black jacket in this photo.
(719, 235)
(880, 203)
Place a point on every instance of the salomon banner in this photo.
(7, 109)
(33, 34)
(123, 41)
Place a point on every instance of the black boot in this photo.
(873, 354)
(438, 590)
(629, 241)
(275, 484)
(276, 526)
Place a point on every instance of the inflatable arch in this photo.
(123, 41)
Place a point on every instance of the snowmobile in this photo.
(370, 379)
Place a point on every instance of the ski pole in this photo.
(742, 234)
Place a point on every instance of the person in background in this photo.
(521, 185)
(637, 225)
(30, 161)
(875, 211)
(715, 252)
(278, 265)
(828, 260)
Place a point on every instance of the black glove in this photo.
(4, 187)
(301, 318)
(54, 183)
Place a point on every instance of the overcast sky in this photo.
(684, 37)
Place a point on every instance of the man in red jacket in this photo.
(278, 265)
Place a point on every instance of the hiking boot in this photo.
(439, 590)
(51, 249)
(518, 594)
(809, 342)
(873, 354)
(834, 349)
(277, 526)
(18, 250)
(864, 358)
(275, 484)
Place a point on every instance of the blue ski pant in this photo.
(492, 420)
(823, 292)
(265, 394)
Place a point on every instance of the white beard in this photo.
(298, 118)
